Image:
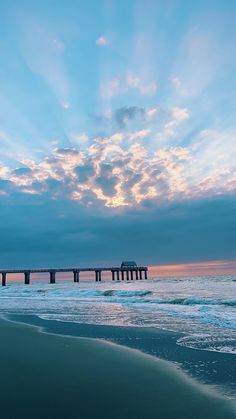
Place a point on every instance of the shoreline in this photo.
(217, 370)
(50, 375)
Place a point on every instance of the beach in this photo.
(188, 321)
(54, 376)
(217, 369)
(153, 349)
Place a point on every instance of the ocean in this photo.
(202, 309)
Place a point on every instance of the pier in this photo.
(128, 271)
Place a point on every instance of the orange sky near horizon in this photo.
(217, 267)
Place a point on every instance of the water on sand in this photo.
(49, 376)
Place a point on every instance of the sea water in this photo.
(202, 308)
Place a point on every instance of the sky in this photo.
(118, 133)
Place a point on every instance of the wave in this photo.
(121, 293)
(194, 301)
(97, 293)
(68, 293)
(111, 295)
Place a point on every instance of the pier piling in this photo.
(27, 277)
(52, 277)
(76, 276)
(4, 279)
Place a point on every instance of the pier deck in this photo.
(117, 273)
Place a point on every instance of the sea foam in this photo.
(196, 307)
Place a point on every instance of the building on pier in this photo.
(128, 264)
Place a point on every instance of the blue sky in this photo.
(117, 131)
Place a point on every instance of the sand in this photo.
(215, 368)
(51, 376)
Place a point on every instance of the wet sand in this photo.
(51, 376)
(209, 367)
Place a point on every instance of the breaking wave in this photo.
(202, 308)
(110, 293)
(193, 301)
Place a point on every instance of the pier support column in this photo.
(27, 278)
(113, 275)
(4, 279)
(145, 274)
(136, 274)
(132, 275)
(76, 276)
(122, 275)
(118, 275)
(127, 275)
(52, 277)
(140, 274)
(99, 276)
(96, 276)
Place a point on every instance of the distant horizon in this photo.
(211, 268)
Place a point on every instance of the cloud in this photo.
(87, 200)
(122, 171)
(80, 236)
(79, 138)
(177, 116)
(4, 170)
(112, 88)
(180, 114)
(139, 134)
(120, 85)
(151, 113)
(102, 41)
(166, 121)
(180, 88)
(85, 172)
(145, 88)
(124, 115)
